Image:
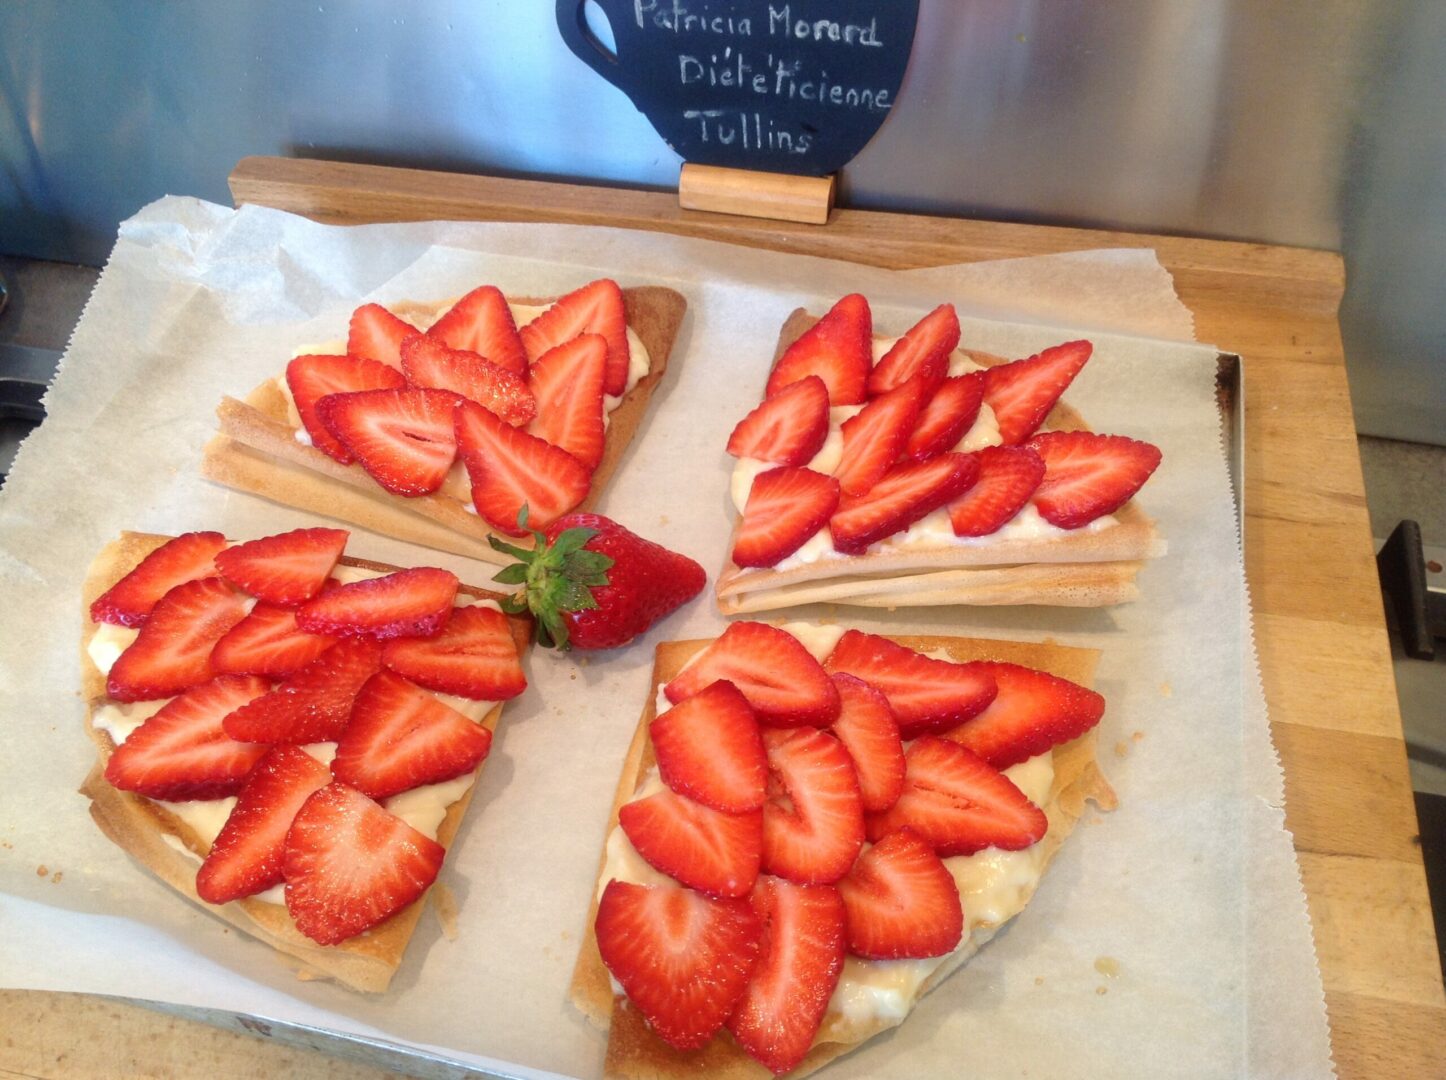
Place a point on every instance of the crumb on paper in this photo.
(1102, 990)
(584, 660)
(56, 877)
(444, 903)
(1122, 749)
(662, 519)
(42, 870)
(1166, 690)
(1137, 735)
(1107, 966)
(573, 676)
(1039, 980)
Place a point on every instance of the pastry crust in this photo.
(257, 450)
(634, 1052)
(171, 850)
(1082, 569)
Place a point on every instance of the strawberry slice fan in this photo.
(815, 827)
(887, 472)
(436, 423)
(289, 736)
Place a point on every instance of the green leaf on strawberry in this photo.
(592, 584)
(558, 577)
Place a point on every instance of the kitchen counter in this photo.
(1320, 632)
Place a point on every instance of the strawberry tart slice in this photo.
(288, 736)
(436, 422)
(814, 828)
(890, 472)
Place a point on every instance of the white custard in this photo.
(108, 642)
(994, 885)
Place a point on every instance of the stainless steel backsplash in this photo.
(1318, 124)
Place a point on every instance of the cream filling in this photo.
(933, 530)
(457, 485)
(423, 808)
(993, 885)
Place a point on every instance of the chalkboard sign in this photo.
(797, 86)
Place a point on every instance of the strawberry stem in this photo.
(556, 578)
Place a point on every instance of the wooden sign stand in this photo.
(776, 196)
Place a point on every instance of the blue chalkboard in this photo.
(795, 87)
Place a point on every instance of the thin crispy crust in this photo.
(1082, 569)
(257, 450)
(635, 1052)
(141, 827)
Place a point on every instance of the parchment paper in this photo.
(1190, 888)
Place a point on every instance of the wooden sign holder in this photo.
(775, 196)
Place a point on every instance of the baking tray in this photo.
(1230, 397)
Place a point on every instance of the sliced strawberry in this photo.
(926, 347)
(400, 737)
(184, 558)
(682, 958)
(1033, 712)
(925, 694)
(874, 439)
(780, 678)
(947, 417)
(958, 803)
(245, 857)
(907, 493)
(404, 439)
(376, 334)
(801, 956)
(701, 848)
(901, 902)
(314, 704)
(284, 569)
(708, 748)
(838, 349)
(1087, 476)
(813, 821)
(173, 649)
(349, 865)
(568, 382)
(869, 732)
(785, 507)
(510, 469)
(182, 752)
(481, 322)
(1008, 476)
(311, 378)
(789, 428)
(1021, 393)
(409, 603)
(268, 642)
(473, 656)
(429, 364)
(596, 308)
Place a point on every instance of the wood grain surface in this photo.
(1320, 632)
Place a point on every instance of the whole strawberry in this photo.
(592, 584)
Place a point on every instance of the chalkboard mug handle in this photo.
(584, 44)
